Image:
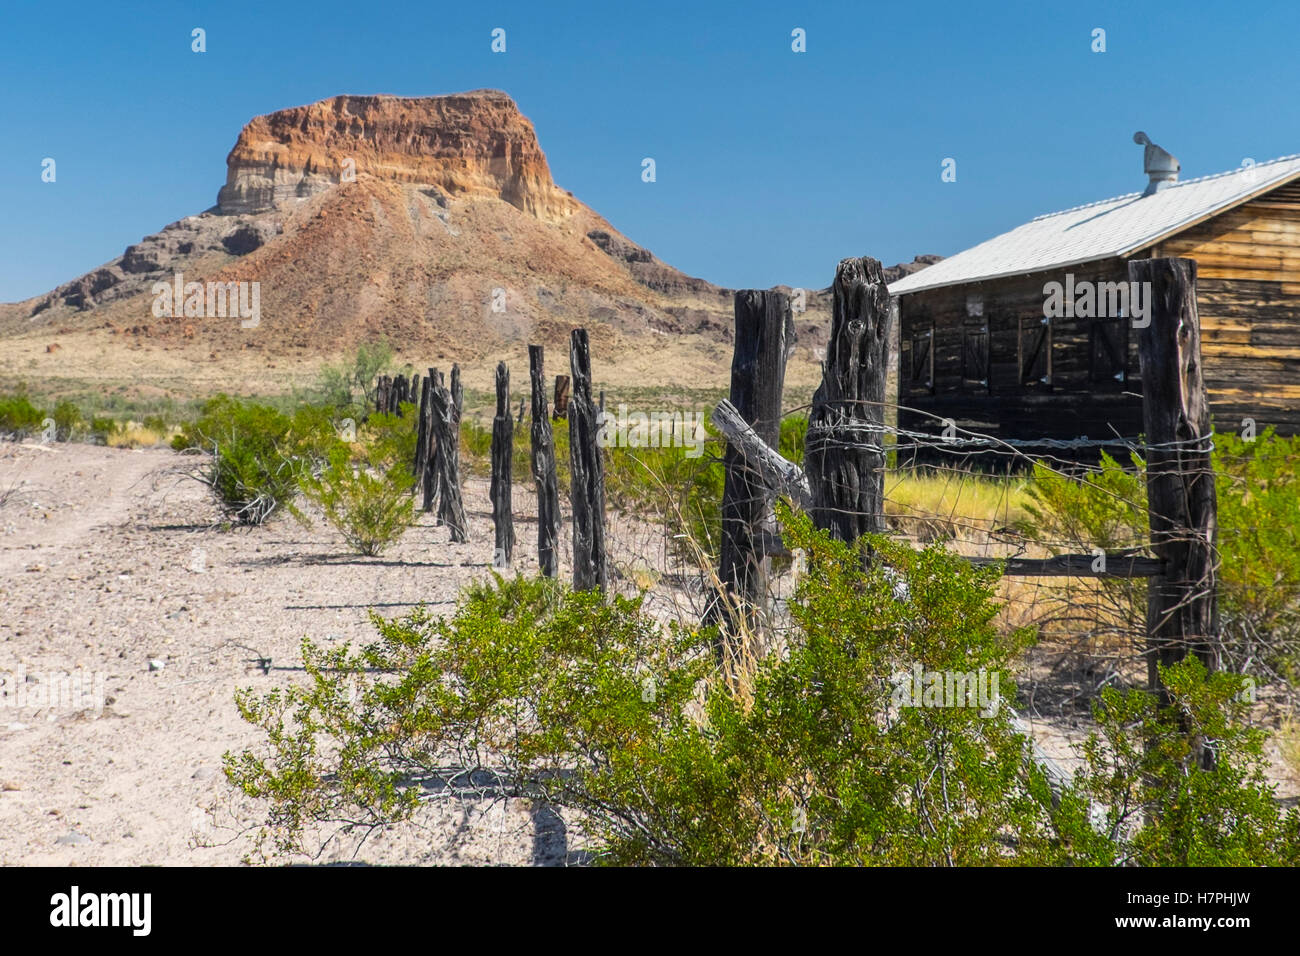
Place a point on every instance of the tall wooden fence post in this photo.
(422, 436)
(1182, 604)
(543, 457)
(451, 511)
(844, 448)
(765, 339)
(587, 478)
(503, 449)
(432, 450)
(449, 452)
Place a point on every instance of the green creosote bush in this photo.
(350, 385)
(364, 489)
(589, 704)
(18, 416)
(1160, 809)
(258, 454)
(1258, 491)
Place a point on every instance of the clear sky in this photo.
(771, 165)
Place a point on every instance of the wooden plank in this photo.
(1116, 565)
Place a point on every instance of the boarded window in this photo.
(1035, 351)
(922, 379)
(1108, 350)
(975, 357)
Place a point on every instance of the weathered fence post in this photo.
(587, 478)
(560, 406)
(844, 448)
(764, 340)
(432, 450)
(445, 420)
(421, 435)
(449, 455)
(503, 448)
(1182, 604)
(543, 449)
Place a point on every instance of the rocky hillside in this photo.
(432, 222)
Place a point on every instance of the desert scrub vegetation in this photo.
(257, 455)
(363, 488)
(587, 704)
(1258, 570)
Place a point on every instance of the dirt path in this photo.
(108, 562)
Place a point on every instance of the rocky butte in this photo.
(469, 145)
(430, 222)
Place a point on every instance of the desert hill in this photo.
(432, 222)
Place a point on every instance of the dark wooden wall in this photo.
(1080, 398)
(1248, 299)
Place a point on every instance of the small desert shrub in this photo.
(350, 385)
(68, 420)
(1161, 809)
(1258, 490)
(364, 489)
(18, 416)
(258, 454)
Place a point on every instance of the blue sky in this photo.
(771, 165)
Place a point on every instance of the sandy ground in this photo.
(107, 562)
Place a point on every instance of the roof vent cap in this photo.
(1160, 166)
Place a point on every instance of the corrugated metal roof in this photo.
(1100, 230)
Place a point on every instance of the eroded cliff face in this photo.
(470, 145)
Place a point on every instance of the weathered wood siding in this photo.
(1077, 399)
(1248, 298)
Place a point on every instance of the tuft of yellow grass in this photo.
(944, 504)
(133, 435)
(1288, 745)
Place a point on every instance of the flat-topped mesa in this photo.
(474, 144)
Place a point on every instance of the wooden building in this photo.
(1031, 334)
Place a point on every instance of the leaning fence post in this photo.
(1182, 505)
(844, 448)
(587, 477)
(764, 340)
(503, 448)
(543, 457)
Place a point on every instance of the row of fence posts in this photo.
(843, 484)
(845, 457)
(437, 458)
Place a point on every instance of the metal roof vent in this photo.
(1160, 166)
